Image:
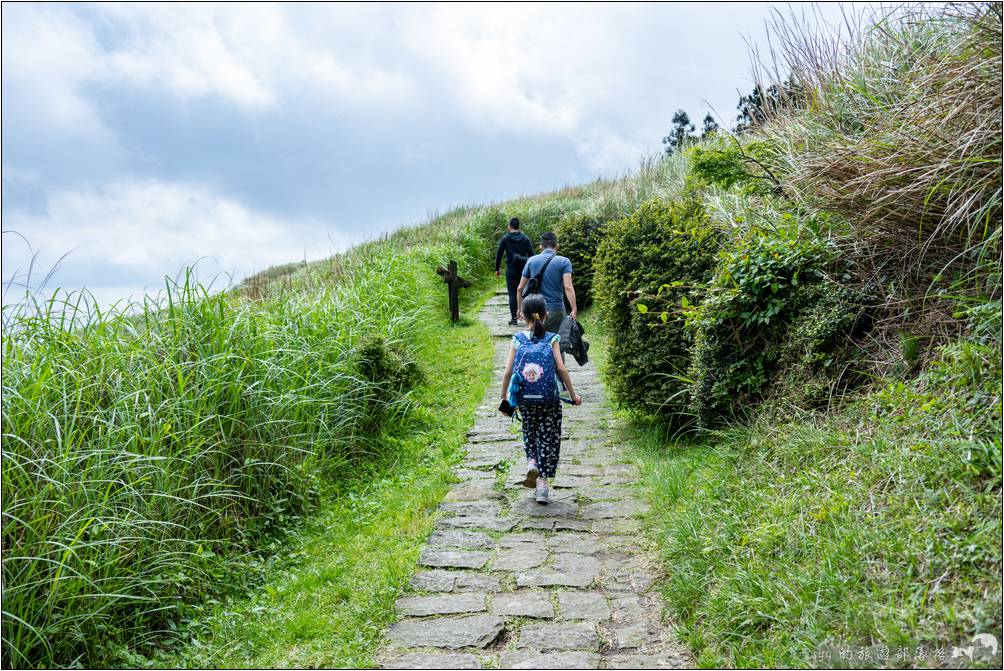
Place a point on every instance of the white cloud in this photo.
(601, 147)
(499, 68)
(249, 55)
(560, 71)
(196, 50)
(337, 106)
(47, 55)
(146, 228)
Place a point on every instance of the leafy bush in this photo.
(729, 165)
(579, 235)
(771, 314)
(648, 266)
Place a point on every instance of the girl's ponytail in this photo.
(535, 311)
(537, 324)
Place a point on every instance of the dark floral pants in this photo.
(542, 436)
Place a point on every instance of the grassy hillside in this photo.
(802, 321)
(807, 331)
(355, 555)
(156, 456)
(147, 454)
(878, 524)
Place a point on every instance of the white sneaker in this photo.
(531, 475)
(541, 496)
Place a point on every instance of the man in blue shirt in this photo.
(555, 285)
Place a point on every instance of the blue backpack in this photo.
(534, 377)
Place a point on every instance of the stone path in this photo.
(504, 582)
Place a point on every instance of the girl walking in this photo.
(538, 399)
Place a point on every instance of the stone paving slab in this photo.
(433, 581)
(471, 508)
(644, 662)
(504, 582)
(572, 525)
(574, 542)
(627, 607)
(442, 605)
(468, 581)
(498, 438)
(427, 660)
(477, 491)
(559, 636)
(529, 506)
(470, 475)
(453, 558)
(612, 509)
(524, 603)
(576, 605)
(484, 457)
(541, 524)
(440, 580)
(617, 526)
(552, 578)
(605, 493)
(478, 522)
(520, 558)
(524, 659)
(459, 538)
(472, 631)
(633, 635)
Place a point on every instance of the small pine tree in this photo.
(680, 134)
(753, 108)
(710, 126)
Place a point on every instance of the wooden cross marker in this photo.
(455, 283)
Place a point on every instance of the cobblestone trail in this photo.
(504, 582)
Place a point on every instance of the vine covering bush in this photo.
(772, 314)
(732, 165)
(648, 266)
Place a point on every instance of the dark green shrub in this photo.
(648, 266)
(579, 235)
(771, 315)
(390, 372)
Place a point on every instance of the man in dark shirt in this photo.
(517, 249)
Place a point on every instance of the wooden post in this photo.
(455, 283)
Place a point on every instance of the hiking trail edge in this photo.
(505, 582)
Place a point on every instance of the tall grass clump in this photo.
(146, 447)
(897, 127)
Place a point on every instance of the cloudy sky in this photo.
(141, 138)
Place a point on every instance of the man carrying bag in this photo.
(550, 275)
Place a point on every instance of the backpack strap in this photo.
(540, 275)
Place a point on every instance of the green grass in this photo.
(329, 604)
(878, 525)
(244, 479)
(150, 452)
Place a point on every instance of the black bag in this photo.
(533, 284)
(572, 342)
